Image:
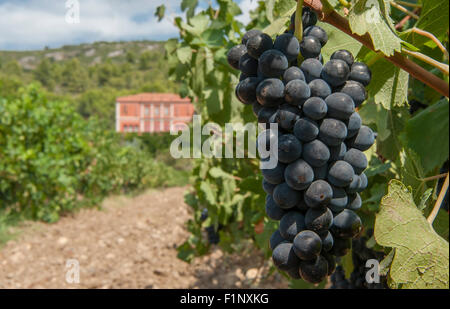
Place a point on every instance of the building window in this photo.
(156, 111)
(146, 111)
(125, 110)
(166, 111)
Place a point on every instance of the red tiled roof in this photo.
(153, 97)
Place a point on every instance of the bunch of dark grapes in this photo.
(357, 280)
(314, 189)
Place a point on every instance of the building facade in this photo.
(152, 112)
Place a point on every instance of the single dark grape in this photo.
(360, 72)
(273, 63)
(315, 108)
(346, 224)
(344, 55)
(256, 108)
(327, 241)
(285, 196)
(340, 106)
(287, 116)
(246, 90)
(275, 240)
(321, 172)
(337, 152)
(293, 73)
(332, 132)
(289, 148)
(363, 182)
(258, 44)
(306, 129)
(266, 113)
(283, 256)
(316, 153)
(317, 32)
(270, 92)
(311, 68)
(309, 17)
(318, 194)
(357, 160)
(235, 54)
(288, 45)
(249, 34)
(319, 220)
(204, 214)
(274, 175)
(248, 65)
(353, 125)
(335, 72)
(314, 271)
(299, 175)
(310, 47)
(273, 210)
(354, 201)
(355, 90)
(268, 187)
(340, 173)
(339, 200)
(292, 223)
(307, 245)
(296, 92)
(354, 185)
(319, 88)
(363, 140)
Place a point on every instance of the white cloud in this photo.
(38, 23)
(246, 6)
(34, 24)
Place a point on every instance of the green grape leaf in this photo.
(338, 40)
(432, 19)
(389, 85)
(421, 257)
(184, 54)
(160, 11)
(424, 199)
(366, 16)
(427, 135)
(190, 6)
(279, 24)
(411, 172)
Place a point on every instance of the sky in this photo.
(35, 24)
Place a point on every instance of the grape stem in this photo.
(404, 3)
(298, 32)
(434, 177)
(440, 66)
(404, 10)
(439, 201)
(431, 37)
(333, 18)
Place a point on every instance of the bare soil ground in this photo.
(131, 243)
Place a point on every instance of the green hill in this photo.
(90, 76)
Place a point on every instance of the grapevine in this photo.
(314, 188)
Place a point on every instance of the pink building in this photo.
(152, 112)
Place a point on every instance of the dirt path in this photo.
(129, 244)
